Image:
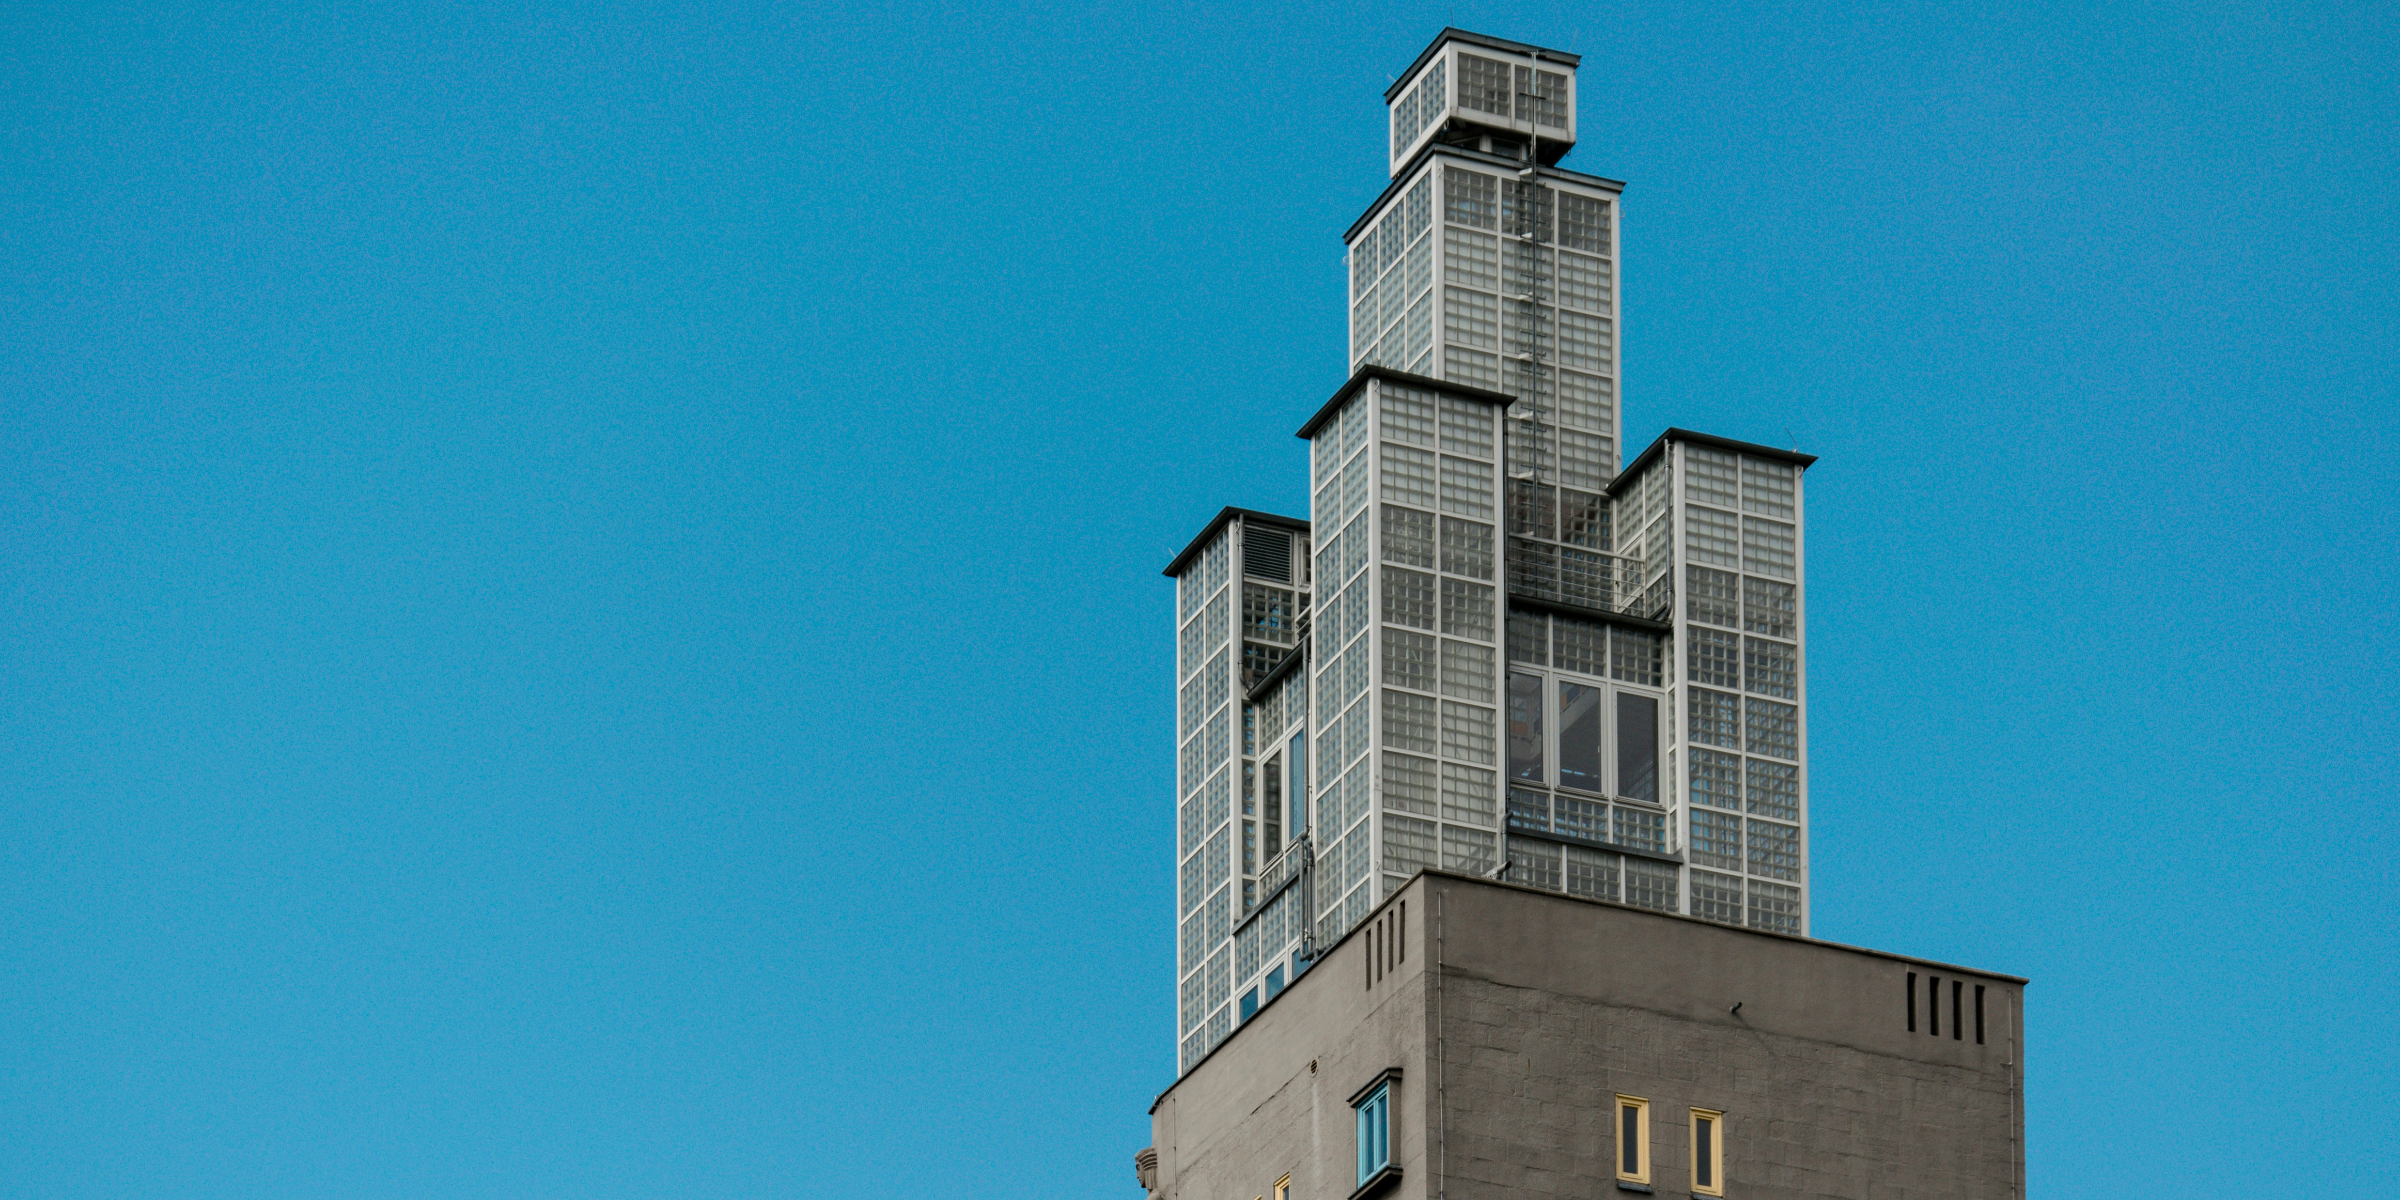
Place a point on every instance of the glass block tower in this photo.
(1526, 662)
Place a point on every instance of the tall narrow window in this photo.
(1374, 1132)
(1283, 1188)
(1637, 747)
(1299, 784)
(1708, 1153)
(1912, 1001)
(1933, 1004)
(1579, 737)
(1525, 727)
(1633, 1139)
(1272, 805)
(1979, 1014)
(1958, 1030)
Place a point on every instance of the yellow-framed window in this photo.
(1283, 1188)
(1633, 1139)
(1708, 1152)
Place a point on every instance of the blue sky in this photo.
(579, 601)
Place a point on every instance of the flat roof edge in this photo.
(1656, 448)
(1224, 517)
(1359, 378)
(1452, 33)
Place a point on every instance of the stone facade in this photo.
(1516, 1017)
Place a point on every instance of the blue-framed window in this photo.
(1374, 1132)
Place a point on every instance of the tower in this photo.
(1493, 772)
(1521, 661)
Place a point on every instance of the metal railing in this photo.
(1281, 872)
(1609, 583)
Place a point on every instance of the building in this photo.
(1477, 1039)
(1492, 653)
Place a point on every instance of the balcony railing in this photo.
(1609, 583)
(1281, 872)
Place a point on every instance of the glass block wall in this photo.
(1242, 601)
(1469, 85)
(1405, 653)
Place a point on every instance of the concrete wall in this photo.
(1545, 1008)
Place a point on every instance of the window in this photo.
(1633, 1139)
(1578, 736)
(1714, 658)
(1408, 476)
(1408, 598)
(1466, 732)
(1525, 727)
(1774, 728)
(1583, 222)
(1375, 1131)
(1467, 609)
(1408, 659)
(1708, 1153)
(1472, 851)
(1528, 638)
(1283, 1186)
(1716, 897)
(1709, 596)
(1249, 1004)
(1467, 794)
(1637, 747)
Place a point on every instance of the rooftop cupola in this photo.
(1486, 93)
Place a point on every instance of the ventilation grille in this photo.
(1267, 554)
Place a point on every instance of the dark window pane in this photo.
(1704, 1136)
(1579, 737)
(1637, 747)
(1525, 727)
(1630, 1139)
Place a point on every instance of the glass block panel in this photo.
(1767, 488)
(1466, 548)
(1585, 460)
(1354, 428)
(1590, 580)
(1767, 547)
(1475, 368)
(1577, 817)
(1770, 608)
(1583, 223)
(1533, 864)
(1637, 657)
(1585, 342)
(1716, 897)
(1714, 657)
(1716, 839)
(1484, 85)
(1583, 283)
(1407, 414)
(1774, 790)
(1469, 851)
(1466, 609)
(1409, 845)
(1650, 885)
(1468, 732)
(1716, 779)
(1467, 671)
(1417, 340)
(1774, 907)
(1408, 783)
(1466, 428)
(1471, 259)
(1408, 476)
(1712, 537)
(1469, 794)
(1408, 598)
(1528, 808)
(1364, 312)
(1528, 639)
(1583, 520)
(1470, 318)
(1466, 487)
(1709, 596)
(1773, 728)
(1774, 850)
(1770, 668)
(1410, 659)
(1712, 477)
(1410, 722)
(1641, 828)
(1407, 537)
(1581, 646)
(1268, 615)
(1526, 209)
(1355, 487)
(1715, 719)
(1215, 622)
(1532, 508)
(1591, 873)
